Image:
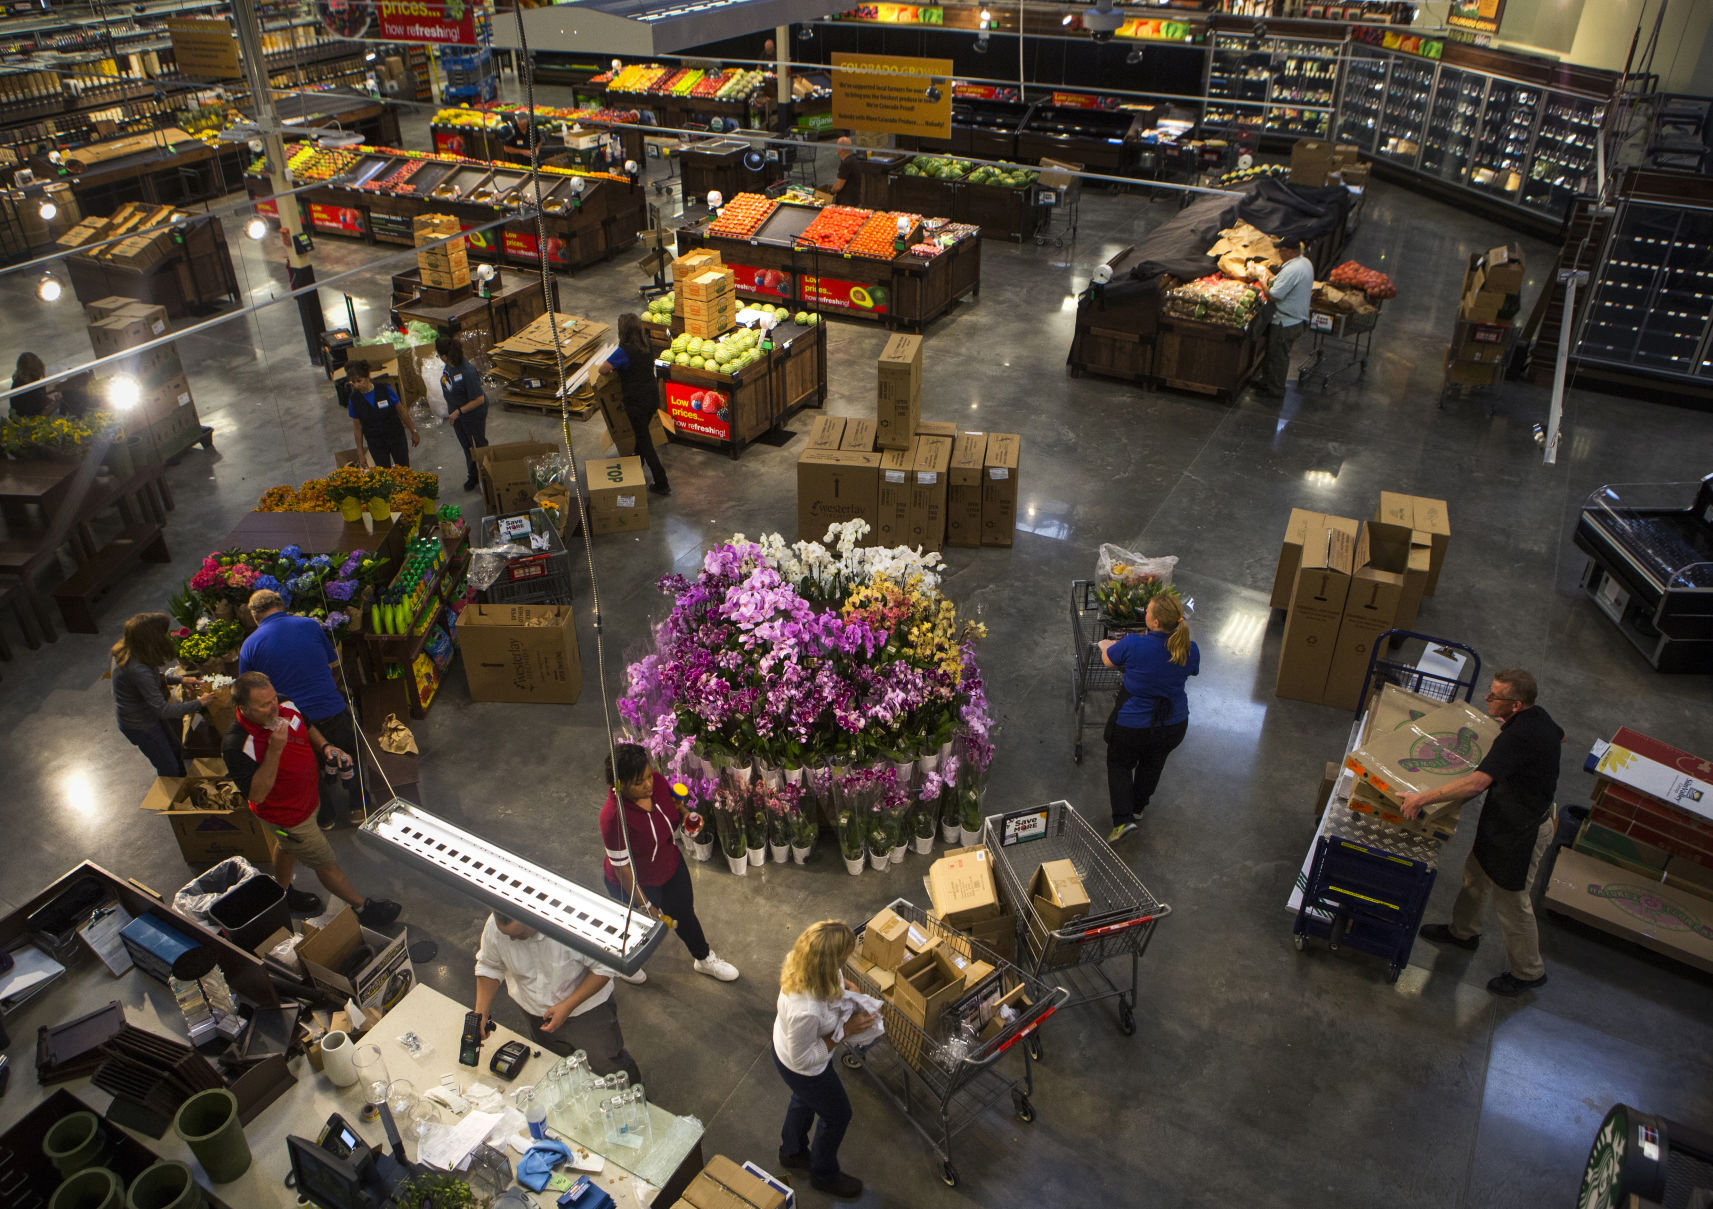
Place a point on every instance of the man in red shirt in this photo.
(274, 756)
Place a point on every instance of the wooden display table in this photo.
(758, 398)
(193, 275)
(726, 166)
(1210, 358)
(512, 305)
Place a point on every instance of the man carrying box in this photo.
(274, 756)
(1520, 776)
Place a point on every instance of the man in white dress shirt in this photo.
(569, 999)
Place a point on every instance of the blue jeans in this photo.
(814, 1096)
(161, 745)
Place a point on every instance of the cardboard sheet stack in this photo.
(1484, 336)
(530, 368)
(918, 483)
(1343, 583)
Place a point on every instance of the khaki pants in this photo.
(1515, 908)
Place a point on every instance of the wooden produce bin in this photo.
(720, 166)
(1117, 324)
(870, 181)
(756, 399)
(1001, 213)
(1209, 358)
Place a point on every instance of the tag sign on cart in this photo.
(1022, 827)
(513, 527)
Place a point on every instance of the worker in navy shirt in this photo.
(378, 419)
(1153, 712)
(298, 658)
(466, 404)
(633, 362)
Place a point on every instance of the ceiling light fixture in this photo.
(48, 289)
(256, 228)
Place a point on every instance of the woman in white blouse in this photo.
(810, 1022)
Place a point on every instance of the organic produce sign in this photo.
(699, 410)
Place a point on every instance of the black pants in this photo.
(340, 731)
(639, 421)
(814, 1096)
(160, 743)
(1134, 760)
(471, 429)
(676, 898)
(1276, 369)
(596, 1032)
(388, 448)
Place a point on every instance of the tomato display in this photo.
(743, 215)
(834, 227)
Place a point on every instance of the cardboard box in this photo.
(937, 428)
(208, 836)
(707, 285)
(997, 933)
(963, 490)
(507, 485)
(1058, 894)
(1311, 162)
(118, 332)
(1430, 516)
(521, 653)
(898, 404)
(1316, 608)
(928, 492)
(156, 403)
(835, 486)
(999, 488)
(1407, 553)
(1393, 707)
(882, 979)
(618, 495)
(1328, 783)
(383, 979)
(722, 1184)
(687, 265)
(859, 435)
(1370, 609)
(883, 939)
(710, 327)
(1684, 874)
(892, 496)
(1439, 826)
(826, 433)
(714, 308)
(1430, 751)
(962, 888)
(926, 986)
(1621, 850)
(101, 308)
(1291, 555)
(1665, 773)
(1655, 915)
(1504, 270)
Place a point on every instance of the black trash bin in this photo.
(251, 911)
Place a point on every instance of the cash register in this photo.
(339, 1170)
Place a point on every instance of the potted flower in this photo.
(778, 801)
(950, 804)
(345, 487)
(882, 834)
(803, 828)
(729, 820)
(699, 836)
(926, 814)
(851, 845)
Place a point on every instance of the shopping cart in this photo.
(1338, 344)
(943, 1087)
(1121, 916)
(1437, 668)
(1089, 673)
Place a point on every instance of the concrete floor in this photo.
(1256, 1075)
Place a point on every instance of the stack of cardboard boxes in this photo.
(1317, 164)
(446, 266)
(140, 236)
(1490, 300)
(722, 1184)
(1343, 583)
(1385, 761)
(919, 483)
(165, 414)
(521, 653)
(706, 292)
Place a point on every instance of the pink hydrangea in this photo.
(241, 575)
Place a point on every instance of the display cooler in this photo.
(1650, 568)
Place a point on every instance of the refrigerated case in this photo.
(1288, 84)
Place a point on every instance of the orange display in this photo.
(834, 227)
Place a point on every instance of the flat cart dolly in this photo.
(944, 1076)
(1121, 918)
(1338, 344)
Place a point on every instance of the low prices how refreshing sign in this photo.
(522, 246)
(448, 23)
(699, 410)
(342, 220)
(816, 291)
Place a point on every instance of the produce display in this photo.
(1214, 299)
(398, 180)
(660, 309)
(727, 355)
(743, 215)
(480, 119)
(1370, 281)
(638, 77)
(878, 238)
(310, 163)
(1239, 175)
(728, 85)
(834, 227)
(1005, 174)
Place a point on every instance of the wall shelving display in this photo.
(1289, 83)
(1449, 146)
(1363, 93)
(1652, 308)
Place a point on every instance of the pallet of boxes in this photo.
(1641, 866)
(164, 415)
(1486, 331)
(445, 266)
(918, 483)
(527, 364)
(1343, 583)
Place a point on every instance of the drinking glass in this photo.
(372, 1073)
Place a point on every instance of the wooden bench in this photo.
(24, 564)
(140, 542)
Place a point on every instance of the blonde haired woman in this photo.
(1153, 712)
(807, 1027)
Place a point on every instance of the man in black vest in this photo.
(1520, 776)
(633, 362)
(378, 419)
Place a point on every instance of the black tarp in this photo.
(1270, 204)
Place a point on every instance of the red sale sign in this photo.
(342, 220)
(699, 411)
(452, 23)
(522, 246)
(816, 291)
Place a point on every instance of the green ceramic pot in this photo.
(165, 1186)
(74, 1142)
(91, 1188)
(208, 1123)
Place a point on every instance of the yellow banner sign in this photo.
(893, 94)
(204, 47)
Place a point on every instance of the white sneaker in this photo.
(713, 967)
(636, 979)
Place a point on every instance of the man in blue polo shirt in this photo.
(1290, 290)
(296, 654)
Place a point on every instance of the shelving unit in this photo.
(1289, 84)
(405, 651)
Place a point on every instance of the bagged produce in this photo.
(1370, 281)
(1214, 300)
(1115, 562)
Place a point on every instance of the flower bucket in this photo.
(929, 764)
(853, 867)
(379, 508)
(880, 860)
(738, 865)
(952, 833)
(970, 838)
(701, 852)
(781, 853)
(897, 856)
(351, 510)
(801, 856)
(770, 776)
(793, 776)
(758, 856)
(924, 844)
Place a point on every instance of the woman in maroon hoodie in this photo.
(651, 862)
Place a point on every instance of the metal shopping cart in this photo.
(1434, 667)
(939, 1078)
(1121, 917)
(1338, 344)
(1089, 673)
